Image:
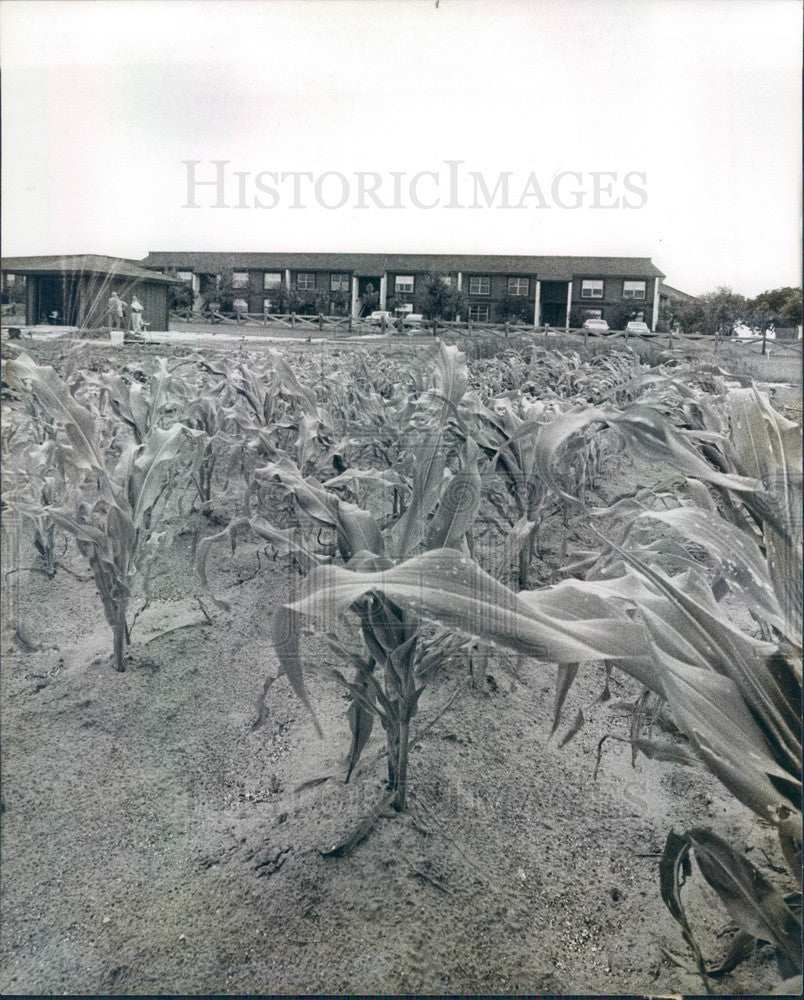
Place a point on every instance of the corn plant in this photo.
(112, 512)
(438, 472)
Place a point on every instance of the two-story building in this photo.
(559, 291)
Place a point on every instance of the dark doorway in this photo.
(554, 314)
(56, 300)
(554, 303)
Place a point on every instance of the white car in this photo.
(596, 326)
(379, 315)
(637, 328)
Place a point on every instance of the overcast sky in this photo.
(103, 101)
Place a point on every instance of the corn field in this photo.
(289, 633)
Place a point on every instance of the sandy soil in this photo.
(152, 842)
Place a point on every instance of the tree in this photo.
(723, 309)
(181, 296)
(782, 302)
(369, 300)
(620, 315)
(443, 300)
(687, 314)
(225, 290)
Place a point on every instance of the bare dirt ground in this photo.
(153, 842)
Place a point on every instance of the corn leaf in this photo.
(61, 406)
(444, 585)
(753, 903)
(459, 504)
(735, 553)
(647, 433)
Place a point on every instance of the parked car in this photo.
(379, 315)
(637, 328)
(596, 326)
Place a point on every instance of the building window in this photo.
(403, 284)
(271, 280)
(185, 276)
(633, 289)
(447, 279)
(11, 279)
(479, 313)
(480, 286)
(593, 314)
(518, 286)
(339, 282)
(305, 282)
(239, 279)
(592, 289)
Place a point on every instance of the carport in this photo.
(74, 290)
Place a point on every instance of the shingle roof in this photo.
(86, 263)
(675, 293)
(371, 264)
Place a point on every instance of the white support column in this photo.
(460, 287)
(354, 296)
(537, 305)
(383, 291)
(655, 318)
(569, 305)
(287, 281)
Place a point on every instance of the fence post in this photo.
(507, 329)
(764, 341)
(320, 321)
(349, 324)
(293, 319)
(383, 323)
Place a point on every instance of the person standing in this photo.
(116, 306)
(136, 316)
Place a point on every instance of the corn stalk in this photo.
(115, 529)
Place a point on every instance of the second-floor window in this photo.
(339, 282)
(271, 280)
(592, 289)
(633, 289)
(185, 276)
(403, 284)
(239, 279)
(305, 282)
(480, 286)
(518, 286)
